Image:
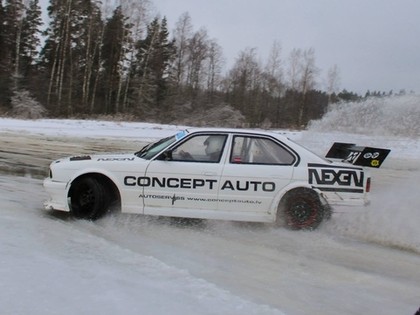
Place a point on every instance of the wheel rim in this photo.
(84, 202)
(86, 198)
(302, 214)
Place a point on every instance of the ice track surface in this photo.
(133, 264)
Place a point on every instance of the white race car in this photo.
(224, 174)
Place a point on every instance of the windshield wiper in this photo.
(143, 150)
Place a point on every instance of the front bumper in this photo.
(58, 195)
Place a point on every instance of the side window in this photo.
(202, 148)
(253, 150)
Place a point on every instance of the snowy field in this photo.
(363, 261)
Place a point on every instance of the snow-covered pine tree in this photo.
(24, 106)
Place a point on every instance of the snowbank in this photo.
(376, 116)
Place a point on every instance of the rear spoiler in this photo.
(362, 156)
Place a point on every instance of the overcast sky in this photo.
(375, 43)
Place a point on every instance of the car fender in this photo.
(101, 171)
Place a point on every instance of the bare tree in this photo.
(198, 48)
(245, 85)
(273, 83)
(307, 82)
(248, 69)
(138, 13)
(302, 73)
(333, 81)
(182, 34)
(215, 65)
(294, 69)
(309, 71)
(274, 62)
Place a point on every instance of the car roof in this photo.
(282, 137)
(238, 130)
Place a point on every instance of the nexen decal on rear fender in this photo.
(196, 183)
(349, 179)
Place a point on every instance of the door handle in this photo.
(209, 173)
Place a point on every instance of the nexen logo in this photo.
(195, 183)
(332, 177)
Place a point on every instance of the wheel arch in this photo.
(287, 190)
(104, 179)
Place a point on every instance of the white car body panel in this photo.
(189, 182)
(227, 189)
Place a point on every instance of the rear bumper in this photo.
(58, 195)
(347, 199)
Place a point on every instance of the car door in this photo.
(185, 180)
(258, 167)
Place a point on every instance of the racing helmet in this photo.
(213, 144)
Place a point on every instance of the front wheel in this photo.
(89, 199)
(301, 209)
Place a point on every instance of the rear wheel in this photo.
(301, 209)
(89, 198)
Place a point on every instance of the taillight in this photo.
(368, 185)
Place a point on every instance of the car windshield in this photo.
(151, 149)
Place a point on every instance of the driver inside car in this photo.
(210, 150)
(214, 145)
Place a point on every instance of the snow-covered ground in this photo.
(362, 261)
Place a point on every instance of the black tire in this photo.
(89, 199)
(301, 209)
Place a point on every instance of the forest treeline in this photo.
(92, 59)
